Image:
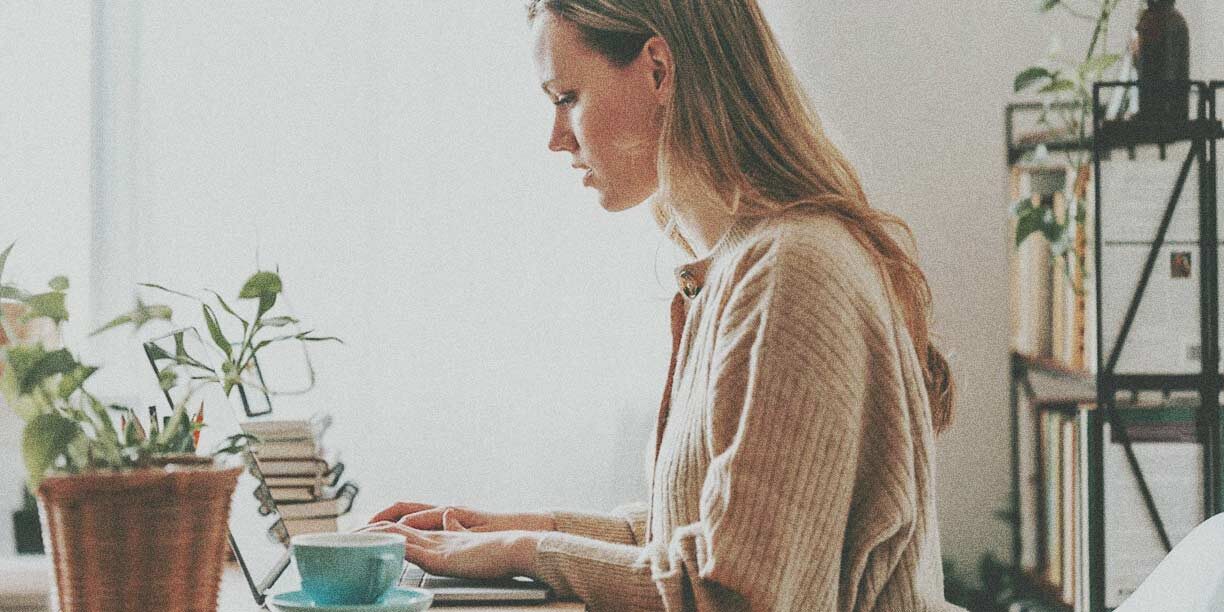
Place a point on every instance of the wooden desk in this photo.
(236, 597)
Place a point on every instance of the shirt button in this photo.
(687, 285)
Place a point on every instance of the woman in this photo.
(795, 443)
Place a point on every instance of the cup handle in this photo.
(384, 571)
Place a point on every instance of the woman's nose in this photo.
(562, 138)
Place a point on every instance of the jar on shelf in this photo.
(1162, 55)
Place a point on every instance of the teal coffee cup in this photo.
(348, 568)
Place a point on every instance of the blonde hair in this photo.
(740, 131)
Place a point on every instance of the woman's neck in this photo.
(702, 225)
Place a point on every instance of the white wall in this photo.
(506, 338)
(44, 174)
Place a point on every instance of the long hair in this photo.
(740, 131)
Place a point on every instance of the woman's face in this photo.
(606, 117)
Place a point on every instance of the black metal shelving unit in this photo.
(1201, 130)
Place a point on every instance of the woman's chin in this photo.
(612, 202)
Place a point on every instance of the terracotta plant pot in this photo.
(151, 539)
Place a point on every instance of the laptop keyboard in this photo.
(415, 577)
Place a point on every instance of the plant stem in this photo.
(1074, 13)
(1101, 32)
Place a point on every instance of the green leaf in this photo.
(265, 286)
(108, 436)
(181, 356)
(158, 311)
(141, 315)
(59, 283)
(1048, 5)
(115, 322)
(1029, 76)
(49, 305)
(1099, 64)
(278, 321)
(74, 379)
(167, 378)
(50, 364)
(44, 440)
(134, 432)
(260, 284)
(131, 433)
(26, 407)
(1028, 223)
(1018, 207)
(225, 306)
(1058, 237)
(9, 292)
(235, 444)
(214, 329)
(158, 353)
(4, 257)
(78, 454)
(170, 291)
(176, 437)
(1057, 85)
(320, 339)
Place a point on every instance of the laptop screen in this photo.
(257, 534)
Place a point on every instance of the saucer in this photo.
(395, 600)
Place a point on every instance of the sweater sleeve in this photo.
(626, 524)
(787, 385)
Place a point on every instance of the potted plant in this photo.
(133, 518)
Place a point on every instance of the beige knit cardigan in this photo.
(794, 468)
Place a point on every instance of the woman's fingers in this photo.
(398, 510)
(423, 519)
(450, 521)
(435, 518)
(423, 557)
(379, 527)
(411, 536)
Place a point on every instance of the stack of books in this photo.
(303, 480)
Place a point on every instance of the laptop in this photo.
(257, 534)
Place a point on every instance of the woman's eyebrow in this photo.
(546, 85)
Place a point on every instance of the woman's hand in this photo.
(466, 554)
(453, 518)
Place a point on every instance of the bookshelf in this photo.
(1069, 393)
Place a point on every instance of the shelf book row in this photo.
(303, 479)
(1054, 300)
(1053, 493)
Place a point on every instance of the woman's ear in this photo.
(656, 58)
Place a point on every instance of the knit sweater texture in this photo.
(794, 464)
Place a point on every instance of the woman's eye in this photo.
(565, 100)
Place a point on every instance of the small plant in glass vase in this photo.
(1064, 86)
(239, 370)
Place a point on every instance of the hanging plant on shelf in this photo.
(1064, 86)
